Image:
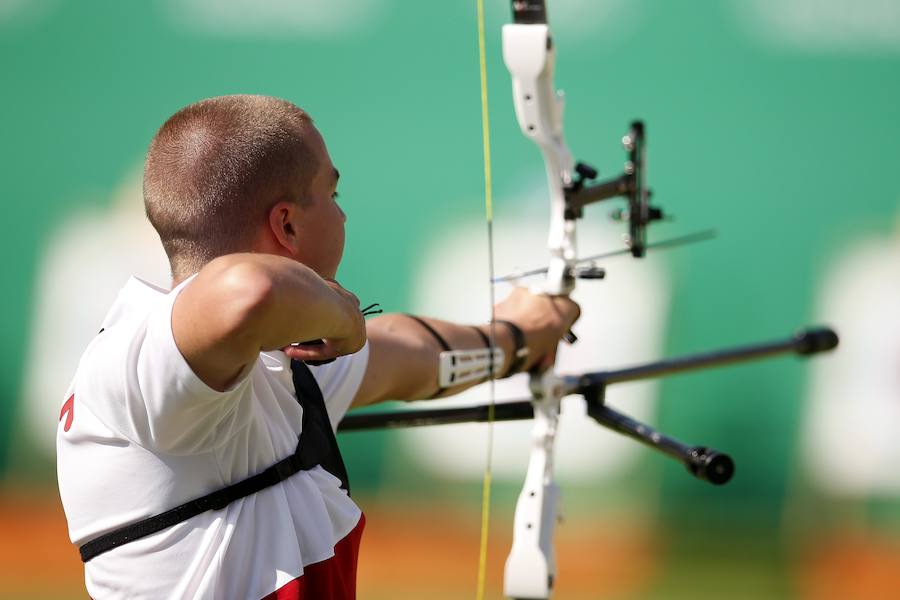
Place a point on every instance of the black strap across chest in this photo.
(316, 446)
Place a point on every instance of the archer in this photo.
(197, 458)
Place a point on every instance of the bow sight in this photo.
(632, 185)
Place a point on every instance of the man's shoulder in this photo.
(108, 365)
(124, 319)
(134, 301)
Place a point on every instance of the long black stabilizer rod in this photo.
(806, 342)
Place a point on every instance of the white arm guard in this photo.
(461, 366)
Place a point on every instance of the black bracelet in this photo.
(487, 344)
(484, 337)
(521, 353)
(441, 342)
(438, 337)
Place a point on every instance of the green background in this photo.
(789, 151)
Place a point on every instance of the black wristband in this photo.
(438, 337)
(487, 344)
(521, 352)
(441, 342)
(484, 337)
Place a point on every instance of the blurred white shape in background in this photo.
(87, 261)
(622, 323)
(600, 21)
(613, 20)
(25, 12)
(859, 26)
(852, 437)
(310, 19)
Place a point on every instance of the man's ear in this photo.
(282, 219)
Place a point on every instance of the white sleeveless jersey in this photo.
(140, 433)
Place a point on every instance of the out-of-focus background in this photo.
(775, 121)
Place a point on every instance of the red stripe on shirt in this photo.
(331, 579)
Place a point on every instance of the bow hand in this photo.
(544, 320)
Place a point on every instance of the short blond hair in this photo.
(216, 167)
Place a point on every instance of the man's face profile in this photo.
(320, 222)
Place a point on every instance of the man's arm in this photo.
(242, 304)
(403, 355)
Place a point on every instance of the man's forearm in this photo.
(301, 306)
(404, 356)
(404, 353)
(465, 337)
(243, 303)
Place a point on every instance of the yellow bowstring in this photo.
(489, 213)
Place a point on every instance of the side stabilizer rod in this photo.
(704, 463)
(701, 462)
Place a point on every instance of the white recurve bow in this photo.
(529, 54)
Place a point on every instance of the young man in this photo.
(196, 450)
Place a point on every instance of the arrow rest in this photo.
(590, 272)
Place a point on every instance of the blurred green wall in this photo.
(788, 146)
